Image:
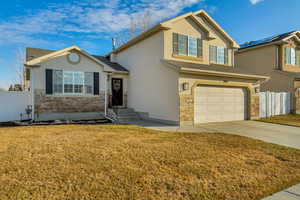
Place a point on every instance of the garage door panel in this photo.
(217, 104)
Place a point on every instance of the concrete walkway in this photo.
(273, 133)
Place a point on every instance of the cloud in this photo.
(255, 1)
(88, 17)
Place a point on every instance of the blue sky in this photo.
(90, 24)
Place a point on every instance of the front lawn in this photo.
(291, 120)
(128, 162)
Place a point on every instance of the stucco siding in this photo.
(188, 27)
(152, 86)
(61, 62)
(263, 61)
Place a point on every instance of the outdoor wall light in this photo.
(257, 90)
(185, 86)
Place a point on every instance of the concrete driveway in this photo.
(273, 133)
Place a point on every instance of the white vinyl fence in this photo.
(13, 104)
(275, 103)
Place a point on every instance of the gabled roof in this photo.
(34, 56)
(270, 40)
(166, 25)
(217, 26)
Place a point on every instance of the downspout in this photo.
(32, 94)
(105, 95)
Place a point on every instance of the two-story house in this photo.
(181, 71)
(277, 57)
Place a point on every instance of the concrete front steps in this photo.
(125, 115)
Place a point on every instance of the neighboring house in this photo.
(15, 88)
(277, 57)
(181, 71)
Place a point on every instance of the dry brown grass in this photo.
(128, 162)
(291, 120)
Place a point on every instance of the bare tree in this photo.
(119, 39)
(145, 21)
(19, 68)
(141, 24)
(133, 28)
(137, 26)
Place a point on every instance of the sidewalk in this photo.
(292, 193)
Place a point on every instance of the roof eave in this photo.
(224, 74)
(259, 46)
(33, 66)
(166, 25)
(139, 38)
(35, 62)
(219, 28)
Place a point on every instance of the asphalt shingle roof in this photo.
(114, 65)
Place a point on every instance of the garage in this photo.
(219, 104)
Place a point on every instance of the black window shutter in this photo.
(211, 51)
(199, 47)
(96, 83)
(186, 38)
(226, 56)
(49, 81)
(175, 43)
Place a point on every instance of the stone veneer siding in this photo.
(187, 107)
(68, 104)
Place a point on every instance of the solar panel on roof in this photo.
(265, 40)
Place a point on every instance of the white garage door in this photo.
(220, 104)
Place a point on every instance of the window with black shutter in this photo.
(96, 83)
(49, 81)
(187, 46)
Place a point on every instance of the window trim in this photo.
(216, 59)
(187, 46)
(83, 93)
(288, 55)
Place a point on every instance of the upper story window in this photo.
(186, 45)
(218, 55)
(69, 82)
(290, 56)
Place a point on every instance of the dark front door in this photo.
(117, 91)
